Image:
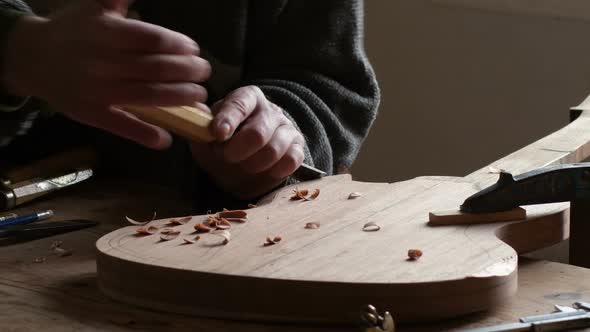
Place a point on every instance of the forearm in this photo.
(316, 70)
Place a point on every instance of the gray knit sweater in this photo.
(306, 55)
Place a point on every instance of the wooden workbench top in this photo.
(60, 293)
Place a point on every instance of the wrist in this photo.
(21, 52)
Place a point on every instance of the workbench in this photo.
(41, 291)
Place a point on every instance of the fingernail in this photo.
(224, 130)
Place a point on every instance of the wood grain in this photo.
(325, 275)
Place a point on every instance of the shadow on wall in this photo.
(464, 87)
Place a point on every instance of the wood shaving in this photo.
(232, 214)
(200, 228)
(151, 230)
(167, 231)
(141, 223)
(169, 236)
(238, 220)
(252, 206)
(312, 225)
(315, 194)
(191, 241)
(354, 195)
(414, 254)
(180, 221)
(223, 223)
(273, 241)
(299, 194)
(371, 227)
(39, 260)
(225, 234)
(58, 250)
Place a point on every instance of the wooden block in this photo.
(456, 217)
(188, 122)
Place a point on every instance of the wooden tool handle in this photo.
(185, 121)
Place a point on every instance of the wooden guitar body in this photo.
(326, 274)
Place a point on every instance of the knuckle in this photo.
(273, 152)
(256, 137)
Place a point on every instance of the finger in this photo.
(151, 94)
(157, 68)
(274, 151)
(289, 163)
(127, 126)
(256, 132)
(119, 6)
(139, 37)
(235, 109)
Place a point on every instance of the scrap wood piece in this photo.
(414, 254)
(273, 241)
(312, 225)
(232, 214)
(201, 228)
(151, 230)
(299, 194)
(315, 194)
(169, 235)
(456, 217)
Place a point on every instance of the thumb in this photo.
(119, 6)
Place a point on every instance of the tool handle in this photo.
(185, 121)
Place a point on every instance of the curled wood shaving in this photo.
(180, 221)
(239, 220)
(252, 206)
(414, 254)
(223, 223)
(232, 214)
(371, 227)
(191, 241)
(169, 236)
(151, 230)
(354, 195)
(299, 194)
(315, 194)
(167, 231)
(200, 228)
(273, 241)
(225, 234)
(58, 250)
(141, 223)
(312, 225)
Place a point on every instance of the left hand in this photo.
(257, 146)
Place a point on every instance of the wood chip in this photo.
(371, 227)
(223, 223)
(273, 241)
(315, 194)
(167, 231)
(299, 194)
(225, 234)
(354, 195)
(414, 254)
(151, 230)
(191, 241)
(169, 236)
(180, 221)
(312, 225)
(39, 260)
(58, 250)
(140, 223)
(238, 220)
(232, 214)
(200, 228)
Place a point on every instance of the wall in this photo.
(463, 87)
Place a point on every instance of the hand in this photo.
(257, 145)
(89, 58)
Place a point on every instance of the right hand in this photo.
(88, 58)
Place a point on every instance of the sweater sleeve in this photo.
(308, 57)
(16, 114)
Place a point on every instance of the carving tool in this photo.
(23, 184)
(565, 318)
(193, 124)
(38, 230)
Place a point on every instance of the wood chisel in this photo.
(193, 124)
